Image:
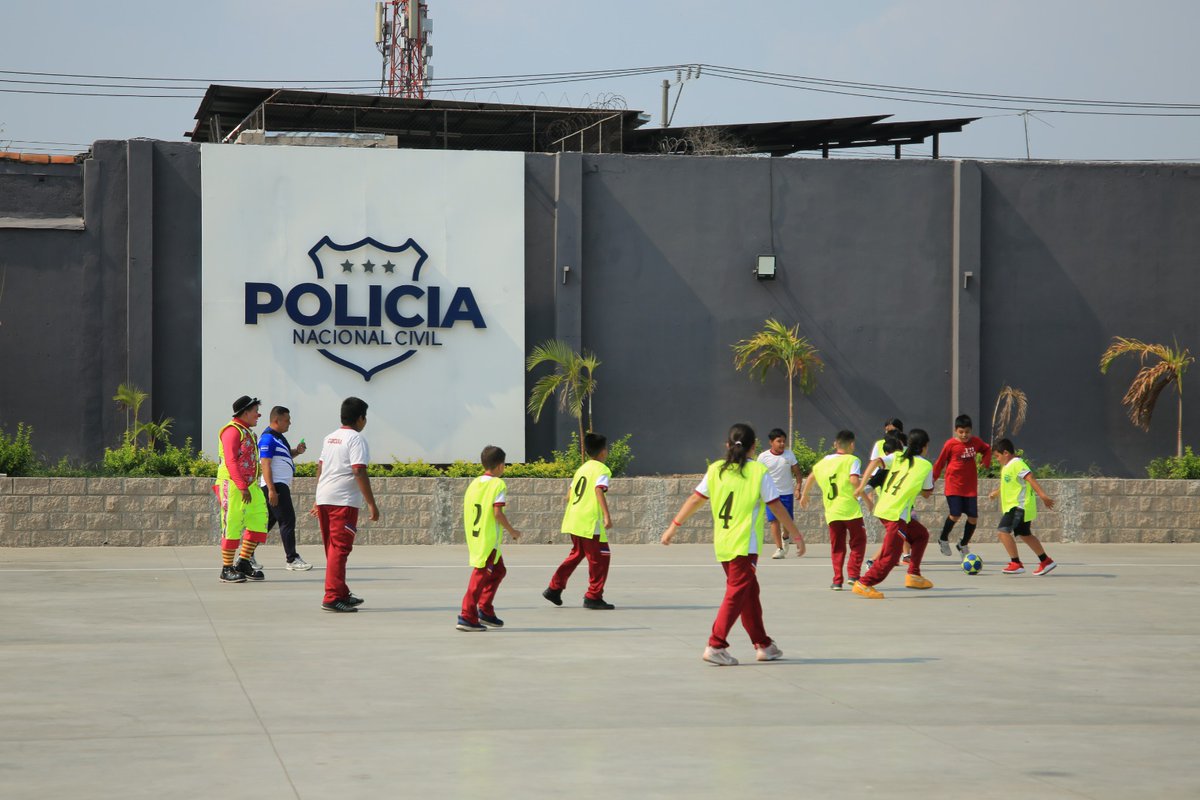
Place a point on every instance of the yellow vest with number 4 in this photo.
(737, 507)
(584, 517)
(479, 519)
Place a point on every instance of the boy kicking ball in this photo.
(1020, 509)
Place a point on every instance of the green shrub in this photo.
(410, 469)
(171, 461)
(16, 453)
(1185, 467)
(568, 460)
(306, 469)
(807, 456)
(540, 469)
(464, 469)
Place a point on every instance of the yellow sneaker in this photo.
(917, 582)
(869, 592)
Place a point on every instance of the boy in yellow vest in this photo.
(588, 522)
(838, 476)
(1019, 508)
(483, 517)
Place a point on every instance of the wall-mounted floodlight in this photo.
(765, 269)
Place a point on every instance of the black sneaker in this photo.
(231, 575)
(597, 605)
(490, 621)
(244, 566)
(467, 626)
(554, 596)
(339, 606)
(353, 600)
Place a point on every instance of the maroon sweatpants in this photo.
(598, 557)
(481, 590)
(893, 544)
(741, 600)
(338, 526)
(839, 532)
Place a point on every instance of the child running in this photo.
(1019, 509)
(892, 429)
(883, 454)
(962, 481)
(909, 475)
(785, 471)
(739, 488)
(483, 516)
(838, 476)
(588, 522)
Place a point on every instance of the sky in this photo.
(1073, 49)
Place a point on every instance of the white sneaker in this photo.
(779, 553)
(964, 550)
(769, 653)
(254, 563)
(944, 546)
(719, 656)
(299, 565)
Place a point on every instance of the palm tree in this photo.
(1008, 417)
(1151, 379)
(130, 398)
(778, 347)
(573, 380)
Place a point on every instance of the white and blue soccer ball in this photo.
(972, 564)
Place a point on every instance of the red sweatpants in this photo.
(481, 590)
(598, 558)
(893, 544)
(839, 532)
(338, 526)
(741, 600)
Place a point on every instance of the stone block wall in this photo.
(132, 512)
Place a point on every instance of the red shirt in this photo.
(958, 459)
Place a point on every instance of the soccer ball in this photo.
(972, 564)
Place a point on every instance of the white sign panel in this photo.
(396, 276)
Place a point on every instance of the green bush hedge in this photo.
(1185, 467)
(16, 453)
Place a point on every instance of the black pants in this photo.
(285, 515)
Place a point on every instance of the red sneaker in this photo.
(1013, 568)
(1044, 567)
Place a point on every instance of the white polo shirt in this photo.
(341, 451)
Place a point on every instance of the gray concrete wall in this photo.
(130, 512)
(872, 257)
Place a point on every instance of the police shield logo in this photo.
(367, 306)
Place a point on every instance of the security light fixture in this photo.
(765, 269)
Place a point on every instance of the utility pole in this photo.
(666, 95)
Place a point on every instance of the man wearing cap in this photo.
(243, 505)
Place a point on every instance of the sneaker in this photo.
(780, 553)
(837, 587)
(597, 604)
(248, 569)
(917, 582)
(469, 627)
(769, 653)
(869, 592)
(339, 606)
(491, 621)
(554, 596)
(353, 600)
(1013, 568)
(719, 656)
(870, 561)
(1044, 567)
(944, 546)
(964, 550)
(906, 558)
(231, 575)
(254, 562)
(298, 564)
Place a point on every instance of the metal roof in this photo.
(226, 111)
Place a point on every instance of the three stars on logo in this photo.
(368, 266)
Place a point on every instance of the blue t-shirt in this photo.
(274, 445)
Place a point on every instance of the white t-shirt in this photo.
(342, 450)
(779, 467)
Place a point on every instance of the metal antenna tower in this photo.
(402, 30)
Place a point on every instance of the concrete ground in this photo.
(133, 673)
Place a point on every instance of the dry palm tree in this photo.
(1008, 417)
(777, 346)
(573, 380)
(1151, 380)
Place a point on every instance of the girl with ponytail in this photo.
(740, 489)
